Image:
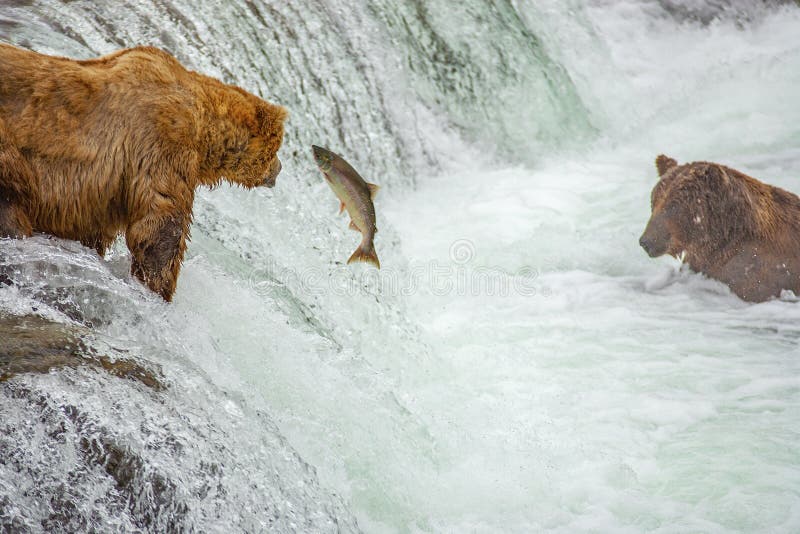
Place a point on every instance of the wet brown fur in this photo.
(728, 225)
(118, 144)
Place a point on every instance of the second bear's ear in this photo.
(664, 163)
(717, 175)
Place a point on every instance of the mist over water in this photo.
(518, 365)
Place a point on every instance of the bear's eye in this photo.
(238, 148)
(671, 210)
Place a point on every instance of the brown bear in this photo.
(118, 144)
(728, 226)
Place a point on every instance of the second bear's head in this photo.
(697, 208)
(239, 138)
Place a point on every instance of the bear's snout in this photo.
(272, 174)
(647, 244)
(656, 237)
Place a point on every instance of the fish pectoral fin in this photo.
(353, 226)
(373, 190)
(341, 207)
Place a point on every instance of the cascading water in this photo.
(517, 365)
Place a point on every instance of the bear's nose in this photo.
(646, 244)
(274, 171)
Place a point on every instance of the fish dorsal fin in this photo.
(353, 226)
(341, 207)
(373, 190)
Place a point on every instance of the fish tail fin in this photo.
(365, 253)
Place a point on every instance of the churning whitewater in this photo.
(518, 364)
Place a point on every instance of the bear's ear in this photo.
(723, 174)
(716, 175)
(664, 163)
(270, 117)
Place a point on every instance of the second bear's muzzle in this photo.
(656, 237)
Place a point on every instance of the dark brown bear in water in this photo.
(729, 226)
(118, 144)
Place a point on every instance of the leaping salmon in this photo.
(355, 196)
